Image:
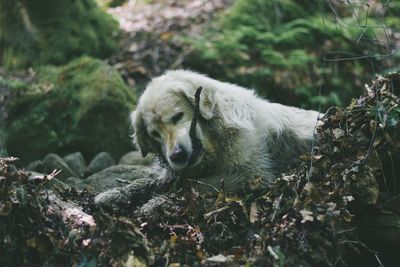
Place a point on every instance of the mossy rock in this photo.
(38, 32)
(83, 106)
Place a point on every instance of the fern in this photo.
(278, 48)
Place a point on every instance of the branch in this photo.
(192, 132)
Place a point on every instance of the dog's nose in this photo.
(179, 155)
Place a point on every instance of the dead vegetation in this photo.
(340, 208)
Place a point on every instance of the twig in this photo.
(202, 183)
(197, 146)
(272, 252)
(379, 261)
(346, 231)
(192, 131)
(277, 207)
(209, 214)
(8, 159)
(122, 181)
(355, 242)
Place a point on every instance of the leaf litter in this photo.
(340, 207)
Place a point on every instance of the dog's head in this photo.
(163, 117)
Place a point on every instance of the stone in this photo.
(100, 162)
(54, 162)
(82, 106)
(136, 158)
(36, 166)
(76, 182)
(76, 162)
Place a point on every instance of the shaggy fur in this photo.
(243, 137)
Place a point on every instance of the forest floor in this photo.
(338, 208)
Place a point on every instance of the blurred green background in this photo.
(288, 50)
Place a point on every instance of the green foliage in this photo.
(82, 106)
(3, 151)
(288, 49)
(34, 32)
(13, 84)
(111, 3)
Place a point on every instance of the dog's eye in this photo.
(155, 134)
(177, 117)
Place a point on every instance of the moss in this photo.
(83, 106)
(13, 84)
(40, 32)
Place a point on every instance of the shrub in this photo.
(290, 49)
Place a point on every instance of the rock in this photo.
(53, 183)
(76, 162)
(136, 158)
(82, 106)
(54, 162)
(36, 166)
(119, 175)
(69, 213)
(100, 162)
(75, 182)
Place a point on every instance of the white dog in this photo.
(242, 137)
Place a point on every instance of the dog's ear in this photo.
(207, 100)
(140, 137)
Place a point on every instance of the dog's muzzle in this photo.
(181, 157)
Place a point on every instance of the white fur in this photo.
(244, 137)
